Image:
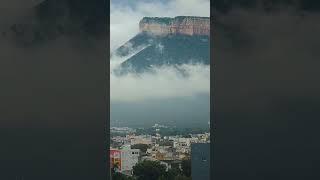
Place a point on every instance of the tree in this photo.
(117, 175)
(187, 136)
(143, 147)
(149, 170)
(186, 167)
(181, 177)
(172, 173)
(162, 178)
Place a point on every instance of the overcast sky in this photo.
(125, 14)
(164, 96)
(125, 17)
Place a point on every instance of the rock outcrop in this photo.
(186, 25)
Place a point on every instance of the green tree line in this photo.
(153, 170)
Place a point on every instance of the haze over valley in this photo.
(161, 73)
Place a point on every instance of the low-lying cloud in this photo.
(162, 82)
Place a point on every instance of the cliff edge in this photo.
(186, 25)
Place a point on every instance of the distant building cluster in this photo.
(159, 126)
(121, 130)
(126, 151)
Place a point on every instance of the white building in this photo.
(129, 158)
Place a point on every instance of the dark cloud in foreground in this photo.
(53, 89)
(266, 5)
(266, 99)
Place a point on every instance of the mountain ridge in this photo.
(164, 42)
(186, 25)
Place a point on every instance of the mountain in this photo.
(166, 41)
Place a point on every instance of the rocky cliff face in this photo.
(187, 25)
